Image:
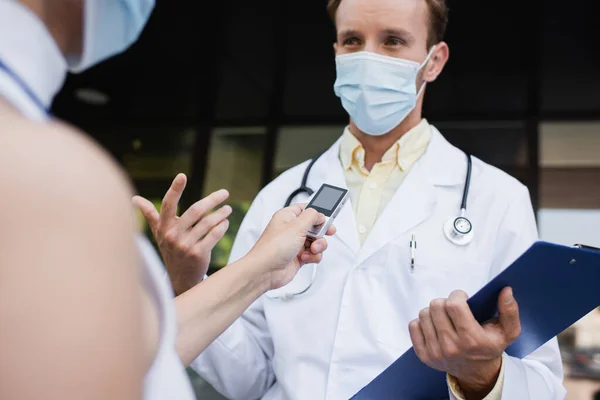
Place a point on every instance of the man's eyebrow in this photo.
(348, 33)
(399, 32)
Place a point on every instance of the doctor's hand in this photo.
(447, 337)
(283, 247)
(186, 242)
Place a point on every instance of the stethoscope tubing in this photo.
(305, 189)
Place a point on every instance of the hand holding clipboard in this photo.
(554, 285)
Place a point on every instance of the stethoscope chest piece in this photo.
(459, 230)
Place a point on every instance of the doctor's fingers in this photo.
(206, 224)
(196, 213)
(447, 336)
(431, 339)
(508, 315)
(461, 316)
(148, 210)
(168, 210)
(418, 340)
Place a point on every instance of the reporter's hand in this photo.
(186, 242)
(283, 247)
(447, 337)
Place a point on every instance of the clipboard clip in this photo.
(585, 247)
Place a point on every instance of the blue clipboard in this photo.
(554, 285)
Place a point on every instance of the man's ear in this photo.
(436, 63)
(335, 48)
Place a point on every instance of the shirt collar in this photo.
(30, 51)
(405, 152)
(350, 148)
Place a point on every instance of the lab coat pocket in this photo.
(405, 291)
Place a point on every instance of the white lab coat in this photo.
(329, 342)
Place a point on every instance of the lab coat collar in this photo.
(444, 164)
(413, 203)
(30, 51)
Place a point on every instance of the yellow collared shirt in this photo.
(371, 191)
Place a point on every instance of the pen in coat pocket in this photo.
(413, 247)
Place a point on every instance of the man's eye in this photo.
(394, 42)
(351, 42)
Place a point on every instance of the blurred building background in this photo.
(235, 93)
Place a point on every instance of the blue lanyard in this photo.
(23, 86)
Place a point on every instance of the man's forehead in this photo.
(385, 14)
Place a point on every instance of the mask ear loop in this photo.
(423, 64)
(78, 62)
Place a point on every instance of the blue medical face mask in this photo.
(110, 27)
(377, 91)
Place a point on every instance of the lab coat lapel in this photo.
(413, 203)
(331, 172)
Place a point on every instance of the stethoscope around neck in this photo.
(458, 230)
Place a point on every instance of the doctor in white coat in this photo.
(337, 325)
